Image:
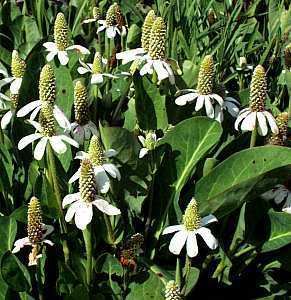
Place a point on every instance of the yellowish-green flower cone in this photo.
(206, 76)
(87, 181)
(157, 46)
(61, 32)
(258, 89)
(18, 65)
(81, 104)
(97, 64)
(287, 55)
(111, 15)
(149, 141)
(146, 30)
(282, 123)
(14, 100)
(47, 120)
(96, 13)
(34, 218)
(47, 84)
(96, 154)
(191, 217)
(172, 291)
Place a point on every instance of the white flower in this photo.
(83, 132)
(137, 54)
(250, 119)
(100, 171)
(230, 104)
(148, 143)
(15, 82)
(243, 65)
(188, 237)
(207, 101)
(35, 106)
(56, 141)
(20, 243)
(6, 119)
(83, 210)
(111, 30)
(280, 193)
(160, 66)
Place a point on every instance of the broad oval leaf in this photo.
(226, 186)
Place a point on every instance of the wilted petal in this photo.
(106, 208)
(78, 134)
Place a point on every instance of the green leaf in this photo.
(110, 265)
(226, 186)
(8, 229)
(14, 273)
(280, 231)
(192, 280)
(150, 105)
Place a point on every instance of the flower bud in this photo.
(157, 45)
(81, 104)
(18, 65)
(34, 218)
(96, 154)
(191, 217)
(61, 32)
(206, 76)
(146, 30)
(47, 84)
(96, 13)
(47, 120)
(97, 63)
(110, 15)
(172, 291)
(87, 184)
(258, 90)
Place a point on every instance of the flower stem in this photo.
(54, 179)
(253, 137)
(39, 281)
(178, 272)
(87, 235)
(109, 228)
(187, 272)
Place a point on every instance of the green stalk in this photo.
(109, 228)
(187, 272)
(52, 171)
(87, 235)
(254, 137)
(39, 282)
(178, 272)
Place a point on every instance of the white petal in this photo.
(76, 176)
(48, 242)
(208, 219)
(40, 148)
(94, 130)
(231, 107)
(146, 69)
(6, 119)
(15, 85)
(82, 70)
(208, 107)
(28, 140)
(81, 155)
(218, 99)
(143, 152)
(200, 102)
(191, 245)
(34, 113)
(5, 81)
(72, 210)
(111, 32)
(106, 208)
(101, 28)
(170, 73)
(241, 116)
(178, 241)
(112, 170)
(28, 108)
(50, 56)
(141, 139)
(89, 21)
(83, 215)
(173, 228)
(57, 144)
(35, 124)
(130, 55)
(61, 118)
(69, 140)
(96, 78)
(160, 69)
(272, 122)
(50, 46)
(110, 153)
(70, 198)
(79, 48)
(102, 179)
(19, 244)
(249, 122)
(182, 100)
(63, 57)
(218, 113)
(208, 237)
(262, 124)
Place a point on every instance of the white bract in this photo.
(148, 143)
(248, 121)
(230, 104)
(15, 82)
(6, 119)
(111, 30)
(184, 236)
(127, 56)
(63, 57)
(280, 194)
(56, 141)
(83, 210)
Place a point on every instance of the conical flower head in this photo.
(97, 63)
(18, 65)
(258, 90)
(14, 100)
(287, 55)
(146, 30)
(282, 123)
(191, 218)
(47, 84)
(87, 184)
(96, 154)
(119, 18)
(34, 224)
(96, 13)
(206, 76)
(47, 120)
(150, 142)
(157, 46)
(61, 32)
(81, 104)
(172, 291)
(111, 15)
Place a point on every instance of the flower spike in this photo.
(146, 30)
